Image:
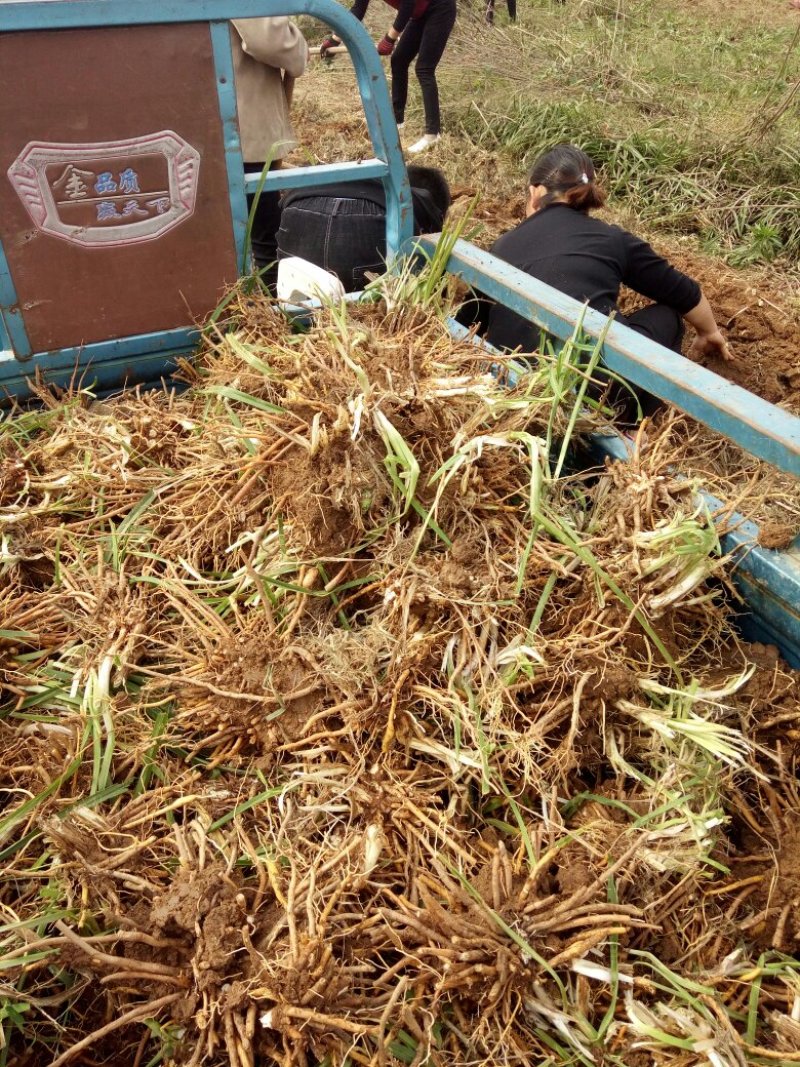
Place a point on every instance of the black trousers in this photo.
(341, 235)
(425, 39)
(659, 322)
(512, 10)
(264, 231)
(662, 324)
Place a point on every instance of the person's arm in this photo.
(709, 340)
(647, 273)
(386, 45)
(275, 42)
(359, 9)
(405, 10)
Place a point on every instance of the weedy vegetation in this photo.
(347, 719)
(692, 116)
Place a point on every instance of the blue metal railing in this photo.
(768, 580)
(759, 427)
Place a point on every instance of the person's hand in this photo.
(711, 344)
(327, 45)
(386, 45)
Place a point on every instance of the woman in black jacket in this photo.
(561, 244)
(420, 30)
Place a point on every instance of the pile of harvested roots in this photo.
(348, 718)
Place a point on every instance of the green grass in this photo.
(690, 115)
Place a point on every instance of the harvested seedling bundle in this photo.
(345, 722)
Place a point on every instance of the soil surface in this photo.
(763, 329)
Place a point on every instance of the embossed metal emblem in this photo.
(111, 193)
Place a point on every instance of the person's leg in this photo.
(357, 242)
(437, 25)
(512, 10)
(304, 230)
(659, 323)
(264, 230)
(403, 56)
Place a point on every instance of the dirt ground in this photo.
(762, 325)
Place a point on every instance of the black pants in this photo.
(512, 10)
(345, 236)
(264, 231)
(658, 322)
(424, 38)
(662, 324)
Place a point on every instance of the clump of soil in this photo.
(770, 916)
(762, 329)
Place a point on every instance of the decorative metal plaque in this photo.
(111, 193)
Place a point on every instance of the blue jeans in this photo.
(347, 237)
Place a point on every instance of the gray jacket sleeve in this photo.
(276, 42)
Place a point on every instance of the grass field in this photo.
(693, 119)
(690, 109)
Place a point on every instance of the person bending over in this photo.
(420, 30)
(268, 54)
(561, 244)
(342, 227)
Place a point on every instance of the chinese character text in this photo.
(129, 181)
(105, 183)
(132, 208)
(162, 204)
(106, 209)
(73, 182)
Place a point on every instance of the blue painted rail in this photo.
(767, 580)
(759, 427)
